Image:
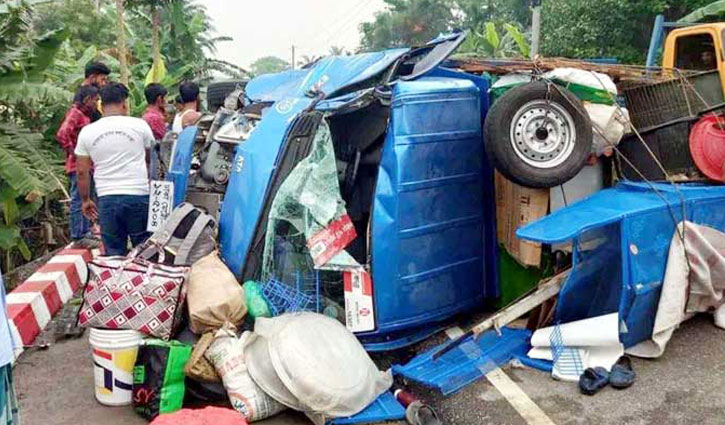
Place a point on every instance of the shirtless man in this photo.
(189, 112)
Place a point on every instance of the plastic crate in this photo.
(282, 298)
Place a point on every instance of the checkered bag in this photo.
(131, 293)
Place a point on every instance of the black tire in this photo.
(218, 91)
(499, 139)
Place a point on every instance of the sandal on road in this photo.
(593, 380)
(622, 375)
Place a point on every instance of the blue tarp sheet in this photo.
(468, 362)
(385, 408)
(621, 237)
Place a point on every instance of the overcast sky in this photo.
(270, 27)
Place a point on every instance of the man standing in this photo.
(189, 113)
(117, 146)
(96, 74)
(77, 117)
(155, 113)
(155, 117)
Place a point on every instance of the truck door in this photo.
(428, 225)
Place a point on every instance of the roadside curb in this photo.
(32, 304)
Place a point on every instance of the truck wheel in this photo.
(538, 137)
(216, 92)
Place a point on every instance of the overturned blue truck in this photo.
(404, 135)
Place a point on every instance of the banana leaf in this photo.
(713, 9)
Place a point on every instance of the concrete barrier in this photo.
(32, 305)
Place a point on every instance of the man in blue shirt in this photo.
(8, 401)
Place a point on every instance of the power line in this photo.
(334, 31)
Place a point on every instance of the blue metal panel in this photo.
(181, 163)
(610, 206)
(428, 225)
(490, 242)
(273, 87)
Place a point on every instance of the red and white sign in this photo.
(359, 309)
(331, 240)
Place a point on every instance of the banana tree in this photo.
(714, 9)
(490, 42)
(158, 67)
(28, 169)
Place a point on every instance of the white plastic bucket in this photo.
(114, 355)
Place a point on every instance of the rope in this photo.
(538, 74)
(670, 207)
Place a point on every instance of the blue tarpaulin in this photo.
(621, 237)
(468, 362)
(385, 408)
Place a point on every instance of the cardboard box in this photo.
(516, 206)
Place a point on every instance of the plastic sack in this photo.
(158, 377)
(207, 416)
(588, 86)
(214, 296)
(610, 124)
(506, 83)
(226, 353)
(256, 304)
(198, 367)
(322, 364)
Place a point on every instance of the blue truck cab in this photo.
(407, 138)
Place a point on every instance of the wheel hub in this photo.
(543, 134)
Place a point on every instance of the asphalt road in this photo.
(685, 386)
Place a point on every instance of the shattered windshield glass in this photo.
(307, 205)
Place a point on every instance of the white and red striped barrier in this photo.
(32, 304)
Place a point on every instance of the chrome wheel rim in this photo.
(543, 134)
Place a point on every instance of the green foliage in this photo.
(489, 43)
(617, 28)
(87, 25)
(414, 22)
(43, 52)
(472, 13)
(571, 28)
(29, 167)
(186, 39)
(597, 28)
(407, 23)
(269, 65)
(713, 10)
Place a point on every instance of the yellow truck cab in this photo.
(697, 48)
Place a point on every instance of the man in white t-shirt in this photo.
(117, 148)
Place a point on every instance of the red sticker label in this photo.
(331, 240)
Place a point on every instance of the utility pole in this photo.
(535, 27)
(293, 56)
